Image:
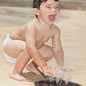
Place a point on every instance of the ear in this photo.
(36, 11)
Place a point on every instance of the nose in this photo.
(53, 10)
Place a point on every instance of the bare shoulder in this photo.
(30, 34)
(18, 30)
(30, 28)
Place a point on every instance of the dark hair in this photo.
(37, 3)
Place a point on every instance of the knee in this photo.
(46, 51)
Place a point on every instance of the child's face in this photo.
(49, 11)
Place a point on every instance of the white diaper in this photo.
(7, 39)
(6, 57)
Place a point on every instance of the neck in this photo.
(44, 24)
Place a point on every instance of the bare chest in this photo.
(43, 36)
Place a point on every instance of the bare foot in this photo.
(17, 77)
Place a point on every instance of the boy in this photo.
(30, 41)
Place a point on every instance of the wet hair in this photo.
(37, 3)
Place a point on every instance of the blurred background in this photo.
(19, 3)
(28, 3)
(72, 22)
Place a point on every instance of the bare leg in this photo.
(18, 68)
(16, 48)
(47, 54)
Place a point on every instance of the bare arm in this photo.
(57, 47)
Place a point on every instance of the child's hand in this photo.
(64, 74)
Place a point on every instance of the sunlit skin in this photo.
(30, 42)
(49, 11)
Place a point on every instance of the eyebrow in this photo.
(51, 4)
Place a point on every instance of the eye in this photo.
(48, 6)
(57, 7)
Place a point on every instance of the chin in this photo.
(51, 22)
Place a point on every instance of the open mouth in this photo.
(51, 17)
